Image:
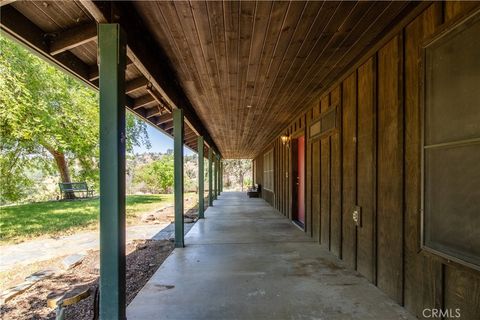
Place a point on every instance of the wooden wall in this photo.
(373, 161)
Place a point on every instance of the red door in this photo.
(301, 180)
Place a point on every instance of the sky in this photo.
(160, 142)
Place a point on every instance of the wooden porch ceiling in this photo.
(214, 59)
(273, 56)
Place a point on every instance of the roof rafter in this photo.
(69, 39)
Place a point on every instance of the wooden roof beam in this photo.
(149, 58)
(142, 101)
(93, 72)
(136, 84)
(155, 111)
(190, 139)
(164, 119)
(19, 27)
(5, 2)
(69, 39)
(167, 126)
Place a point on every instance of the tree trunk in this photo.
(62, 168)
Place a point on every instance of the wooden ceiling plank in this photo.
(200, 28)
(332, 15)
(246, 30)
(72, 38)
(326, 75)
(350, 20)
(291, 23)
(276, 21)
(207, 44)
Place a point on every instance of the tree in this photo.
(47, 115)
(157, 175)
(238, 169)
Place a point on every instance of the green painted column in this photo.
(112, 56)
(221, 176)
(210, 180)
(215, 177)
(178, 176)
(201, 174)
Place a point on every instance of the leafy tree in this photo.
(47, 115)
(157, 175)
(236, 170)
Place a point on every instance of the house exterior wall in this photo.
(373, 160)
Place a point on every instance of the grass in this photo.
(54, 218)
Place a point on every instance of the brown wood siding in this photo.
(390, 170)
(373, 161)
(349, 129)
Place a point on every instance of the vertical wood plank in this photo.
(390, 170)
(462, 292)
(325, 182)
(454, 9)
(336, 180)
(420, 287)
(308, 174)
(349, 129)
(316, 190)
(365, 167)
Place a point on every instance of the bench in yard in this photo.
(254, 192)
(72, 188)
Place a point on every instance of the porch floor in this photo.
(246, 261)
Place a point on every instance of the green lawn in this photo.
(54, 218)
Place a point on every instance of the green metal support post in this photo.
(178, 176)
(221, 176)
(215, 177)
(201, 174)
(210, 180)
(112, 56)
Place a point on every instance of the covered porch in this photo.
(330, 101)
(247, 261)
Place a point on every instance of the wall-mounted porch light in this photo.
(285, 140)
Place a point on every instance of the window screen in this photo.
(268, 170)
(451, 150)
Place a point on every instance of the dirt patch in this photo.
(143, 259)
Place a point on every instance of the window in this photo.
(451, 144)
(268, 170)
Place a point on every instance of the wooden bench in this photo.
(73, 188)
(255, 191)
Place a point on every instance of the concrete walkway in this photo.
(246, 261)
(45, 249)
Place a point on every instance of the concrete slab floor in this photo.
(246, 261)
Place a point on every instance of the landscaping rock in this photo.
(39, 275)
(148, 217)
(73, 260)
(8, 294)
(141, 246)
